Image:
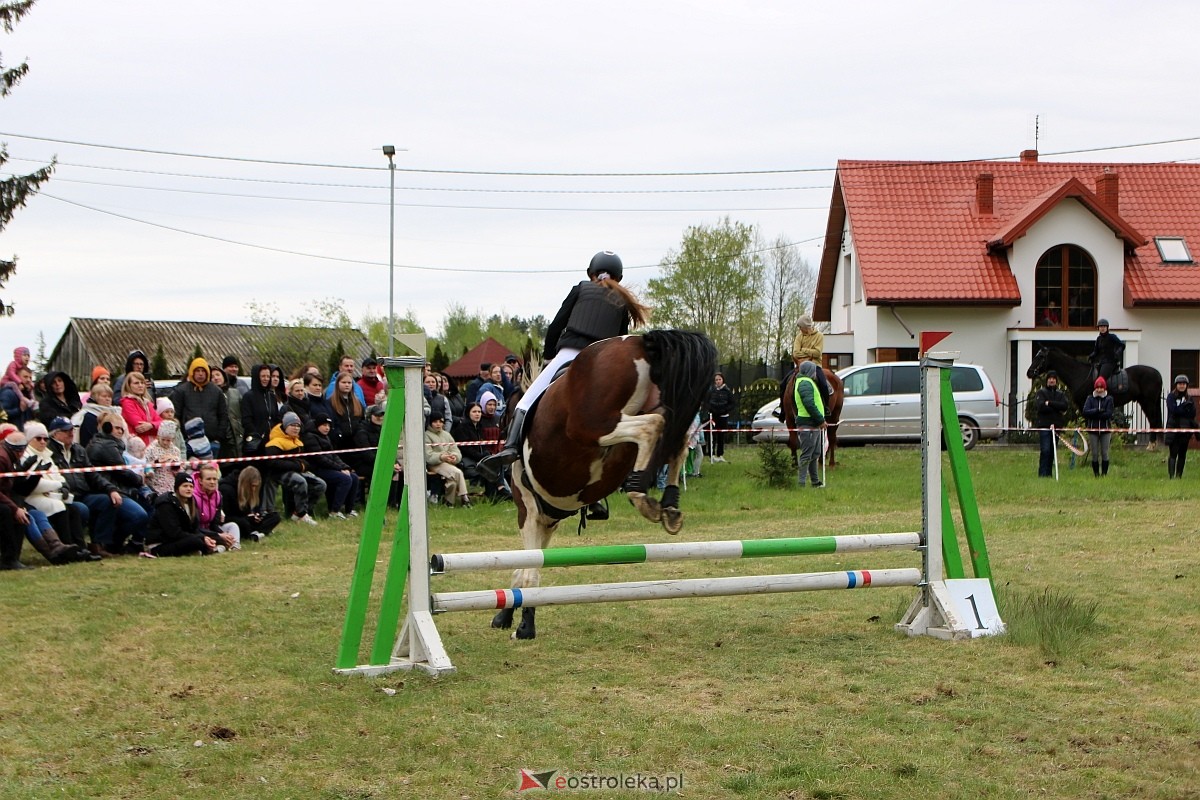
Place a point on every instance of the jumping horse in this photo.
(833, 414)
(621, 410)
(1139, 383)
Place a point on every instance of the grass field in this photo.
(199, 678)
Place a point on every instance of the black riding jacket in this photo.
(590, 313)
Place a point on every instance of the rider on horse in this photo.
(1106, 355)
(595, 309)
(809, 345)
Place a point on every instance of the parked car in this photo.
(883, 404)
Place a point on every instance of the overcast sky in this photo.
(535, 87)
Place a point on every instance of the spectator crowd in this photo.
(220, 458)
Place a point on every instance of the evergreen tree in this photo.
(439, 361)
(158, 364)
(197, 353)
(15, 191)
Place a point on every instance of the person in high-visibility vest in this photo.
(810, 422)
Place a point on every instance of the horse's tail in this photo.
(682, 365)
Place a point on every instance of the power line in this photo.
(333, 201)
(472, 270)
(516, 173)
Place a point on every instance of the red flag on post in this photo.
(930, 338)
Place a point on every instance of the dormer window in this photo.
(1173, 250)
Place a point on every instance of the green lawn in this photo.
(182, 678)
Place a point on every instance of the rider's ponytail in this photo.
(639, 315)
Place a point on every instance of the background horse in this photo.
(1144, 384)
(833, 414)
(624, 406)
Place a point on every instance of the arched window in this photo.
(1065, 285)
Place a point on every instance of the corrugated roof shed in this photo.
(90, 341)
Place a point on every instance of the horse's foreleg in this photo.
(535, 535)
(644, 431)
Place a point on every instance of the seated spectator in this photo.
(21, 358)
(98, 404)
(448, 389)
(279, 384)
(260, 410)
(107, 449)
(174, 529)
(470, 429)
(18, 399)
(231, 445)
(341, 483)
(166, 412)
(207, 496)
(438, 403)
(300, 485)
(367, 439)
(139, 409)
(61, 398)
(495, 385)
(244, 504)
(36, 525)
(49, 493)
(165, 459)
(113, 517)
(100, 374)
(315, 395)
(345, 367)
(136, 361)
(442, 457)
(306, 369)
(347, 412)
(298, 401)
(490, 420)
(372, 382)
(198, 396)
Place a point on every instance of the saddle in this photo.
(1118, 382)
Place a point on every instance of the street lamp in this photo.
(390, 152)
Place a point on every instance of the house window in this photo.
(1184, 362)
(1065, 288)
(1173, 250)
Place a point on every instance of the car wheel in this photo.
(970, 433)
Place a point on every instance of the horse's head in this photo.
(1038, 365)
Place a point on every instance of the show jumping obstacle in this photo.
(943, 608)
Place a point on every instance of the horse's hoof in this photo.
(524, 632)
(672, 520)
(503, 619)
(647, 506)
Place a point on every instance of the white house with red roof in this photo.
(1009, 256)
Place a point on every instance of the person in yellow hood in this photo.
(196, 396)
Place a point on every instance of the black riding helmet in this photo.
(606, 261)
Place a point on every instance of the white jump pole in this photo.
(673, 551)
(672, 589)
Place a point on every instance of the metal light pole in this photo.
(390, 152)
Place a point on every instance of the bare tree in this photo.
(790, 285)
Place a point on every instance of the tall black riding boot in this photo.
(1170, 467)
(490, 468)
(1104, 468)
(1096, 468)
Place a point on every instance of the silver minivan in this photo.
(883, 404)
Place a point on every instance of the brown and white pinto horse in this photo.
(622, 409)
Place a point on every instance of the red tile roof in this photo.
(920, 239)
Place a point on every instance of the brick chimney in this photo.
(983, 194)
(1107, 191)
(1029, 155)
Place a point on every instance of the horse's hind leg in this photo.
(535, 535)
(672, 517)
(644, 431)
